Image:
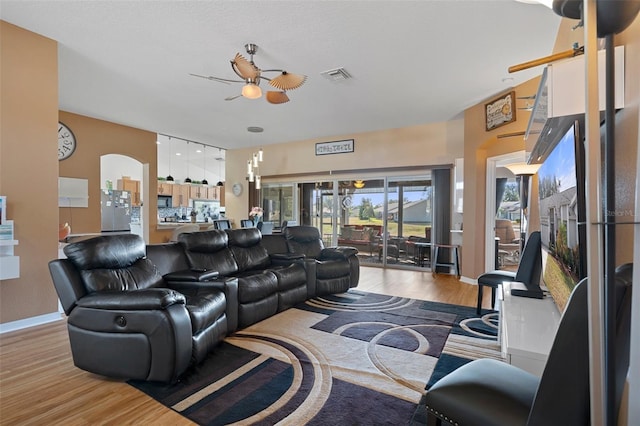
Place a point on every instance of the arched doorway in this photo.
(122, 192)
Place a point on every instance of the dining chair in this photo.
(529, 270)
(222, 224)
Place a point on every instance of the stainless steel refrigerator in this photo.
(116, 210)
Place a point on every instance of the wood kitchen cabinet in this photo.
(213, 193)
(132, 186)
(198, 192)
(165, 188)
(217, 194)
(180, 196)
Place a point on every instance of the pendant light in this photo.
(204, 165)
(169, 177)
(220, 183)
(188, 179)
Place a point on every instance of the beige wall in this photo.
(424, 145)
(96, 138)
(29, 167)
(479, 145)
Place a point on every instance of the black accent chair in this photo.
(246, 223)
(489, 392)
(334, 269)
(124, 320)
(528, 272)
(222, 224)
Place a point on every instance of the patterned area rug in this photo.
(352, 358)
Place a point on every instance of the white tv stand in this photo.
(527, 329)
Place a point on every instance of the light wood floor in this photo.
(40, 385)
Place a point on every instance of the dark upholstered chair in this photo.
(124, 320)
(336, 268)
(246, 223)
(528, 272)
(222, 224)
(489, 392)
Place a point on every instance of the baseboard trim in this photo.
(468, 280)
(30, 322)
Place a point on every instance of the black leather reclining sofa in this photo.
(149, 311)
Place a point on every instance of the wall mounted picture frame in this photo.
(500, 111)
(335, 147)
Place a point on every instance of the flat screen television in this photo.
(561, 193)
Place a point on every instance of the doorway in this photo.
(389, 220)
(122, 191)
(503, 219)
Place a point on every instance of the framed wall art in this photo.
(500, 111)
(335, 147)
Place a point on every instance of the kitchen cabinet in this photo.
(131, 186)
(180, 195)
(213, 193)
(220, 191)
(198, 192)
(165, 188)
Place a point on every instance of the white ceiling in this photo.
(412, 62)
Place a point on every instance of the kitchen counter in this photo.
(174, 225)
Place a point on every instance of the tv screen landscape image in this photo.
(561, 195)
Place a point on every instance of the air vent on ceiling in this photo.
(337, 74)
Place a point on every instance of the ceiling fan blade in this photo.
(244, 68)
(288, 81)
(277, 97)
(230, 98)
(218, 79)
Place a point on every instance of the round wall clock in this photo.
(237, 189)
(66, 142)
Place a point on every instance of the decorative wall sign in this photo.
(500, 111)
(335, 147)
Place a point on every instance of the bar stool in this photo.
(455, 263)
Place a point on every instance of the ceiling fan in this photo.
(251, 76)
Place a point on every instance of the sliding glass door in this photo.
(278, 203)
(409, 221)
(390, 219)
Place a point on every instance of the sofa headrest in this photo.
(245, 237)
(205, 241)
(106, 252)
(302, 233)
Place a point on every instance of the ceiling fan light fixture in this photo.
(251, 75)
(359, 184)
(251, 91)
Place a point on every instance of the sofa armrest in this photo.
(191, 275)
(143, 300)
(225, 284)
(340, 252)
